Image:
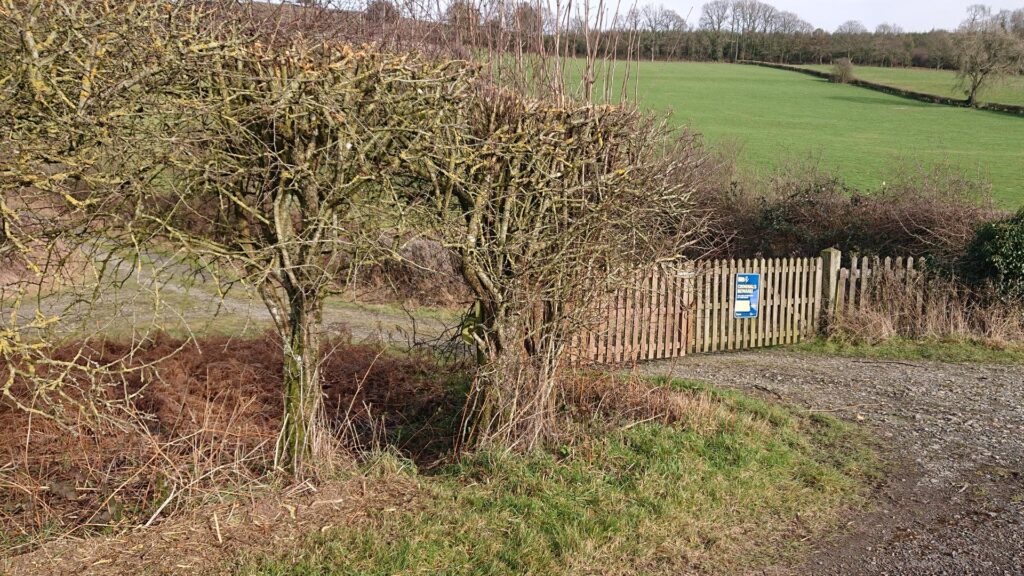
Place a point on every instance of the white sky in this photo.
(912, 15)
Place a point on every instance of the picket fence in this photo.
(862, 283)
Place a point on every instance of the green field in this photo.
(940, 82)
(783, 117)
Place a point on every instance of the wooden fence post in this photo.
(831, 260)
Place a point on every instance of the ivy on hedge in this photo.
(997, 254)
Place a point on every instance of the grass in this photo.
(863, 135)
(951, 351)
(740, 491)
(938, 82)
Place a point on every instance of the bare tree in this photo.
(848, 32)
(464, 19)
(72, 77)
(673, 26)
(382, 12)
(888, 45)
(790, 23)
(267, 156)
(1016, 22)
(300, 158)
(268, 164)
(987, 51)
(551, 208)
(749, 18)
(818, 45)
(528, 20)
(852, 27)
(647, 16)
(659, 23)
(888, 29)
(714, 18)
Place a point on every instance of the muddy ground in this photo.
(953, 502)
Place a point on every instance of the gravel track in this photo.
(954, 501)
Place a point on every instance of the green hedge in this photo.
(997, 254)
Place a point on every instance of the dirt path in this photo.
(954, 503)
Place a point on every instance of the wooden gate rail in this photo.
(859, 284)
(790, 304)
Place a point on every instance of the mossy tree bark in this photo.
(303, 420)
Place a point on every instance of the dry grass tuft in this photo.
(633, 400)
(931, 308)
(209, 539)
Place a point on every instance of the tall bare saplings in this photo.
(550, 208)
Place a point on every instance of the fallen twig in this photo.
(216, 528)
(768, 391)
(887, 362)
(174, 492)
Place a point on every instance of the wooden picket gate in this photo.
(790, 304)
(647, 321)
(682, 309)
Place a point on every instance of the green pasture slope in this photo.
(782, 117)
(939, 82)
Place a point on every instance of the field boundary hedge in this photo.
(919, 96)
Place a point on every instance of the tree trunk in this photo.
(303, 393)
(512, 403)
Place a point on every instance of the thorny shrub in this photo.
(802, 209)
(842, 71)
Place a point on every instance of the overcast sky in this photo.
(912, 15)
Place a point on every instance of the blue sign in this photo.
(748, 295)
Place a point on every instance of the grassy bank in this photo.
(953, 351)
(735, 485)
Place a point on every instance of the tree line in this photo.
(733, 30)
(723, 30)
